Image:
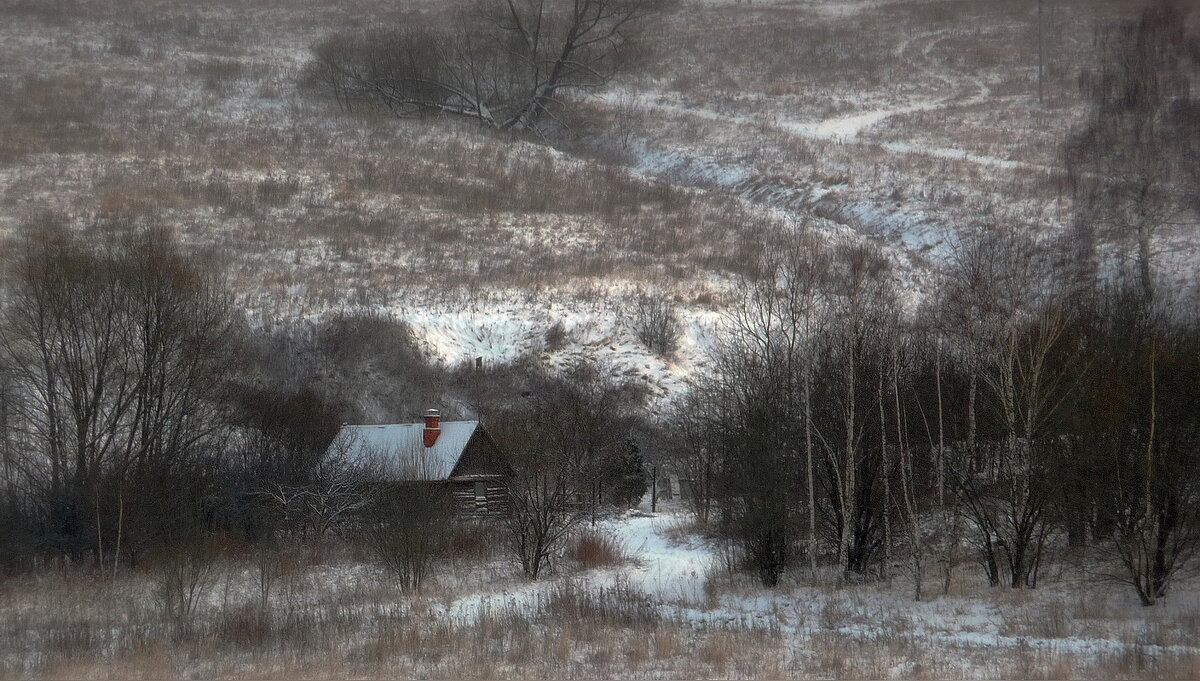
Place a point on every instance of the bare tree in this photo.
(655, 321)
(117, 352)
(777, 334)
(909, 477)
(404, 519)
(865, 314)
(543, 509)
(502, 63)
(405, 526)
(563, 439)
(693, 452)
(336, 494)
(1134, 176)
(1139, 425)
(1132, 165)
(1024, 311)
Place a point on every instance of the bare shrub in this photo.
(655, 321)
(405, 528)
(125, 45)
(834, 614)
(556, 337)
(592, 549)
(473, 541)
(277, 191)
(218, 74)
(183, 579)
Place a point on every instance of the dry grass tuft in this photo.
(592, 549)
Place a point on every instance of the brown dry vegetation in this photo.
(198, 117)
(592, 549)
(340, 619)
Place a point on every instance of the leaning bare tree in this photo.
(502, 63)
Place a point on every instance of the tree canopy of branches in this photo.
(503, 63)
(405, 526)
(571, 442)
(118, 354)
(1134, 169)
(1039, 409)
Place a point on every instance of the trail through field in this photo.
(669, 572)
(844, 129)
(916, 234)
(670, 569)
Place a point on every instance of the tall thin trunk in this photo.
(1147, 499)
(812, 493)
(907, 482)
(887, 474)
(949, 529)
(849, 479)
(1041, 51)
(972, 390)
(120, 527)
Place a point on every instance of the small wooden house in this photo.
(458, 454)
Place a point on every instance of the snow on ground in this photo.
(663, 568)
(843, 128)
(669, 572)
(679, 572)
(666, 572)
(599, 334)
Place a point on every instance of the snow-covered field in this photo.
(903, 122)
(1072, 623)
(671, 610)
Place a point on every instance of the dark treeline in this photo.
(1017, 410)
(1048, 394)
(113, 358)
(1045, 399)
(145, 422)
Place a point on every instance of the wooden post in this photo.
(654, 489)
(1041, 50)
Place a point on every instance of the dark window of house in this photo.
(480, 491)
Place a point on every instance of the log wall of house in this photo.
(489, 500)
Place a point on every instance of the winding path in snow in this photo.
(668, 572)
(846, 129)
(672, 574)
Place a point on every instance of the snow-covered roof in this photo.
(397, 451)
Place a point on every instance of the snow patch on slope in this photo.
(603, 336)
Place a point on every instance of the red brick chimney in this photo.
(433, 427)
